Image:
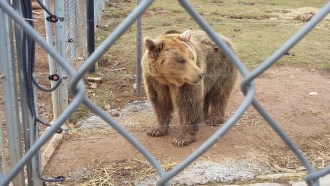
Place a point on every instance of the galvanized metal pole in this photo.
(138, 54)
(60, 46)
(27, 122)
(51, 62)
(8, 71)
(90, 30)
(29, 111)
(33, 178)
(26, 117)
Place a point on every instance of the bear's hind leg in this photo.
(218, 108)
(219, 99)
(206, 106)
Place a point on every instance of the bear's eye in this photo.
(181, 60)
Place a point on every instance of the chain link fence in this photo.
(75, 31)
(76, 28)
(77, 89)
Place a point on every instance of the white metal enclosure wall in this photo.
(77, 89)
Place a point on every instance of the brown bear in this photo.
(188, 73)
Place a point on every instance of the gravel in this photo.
(212, 172)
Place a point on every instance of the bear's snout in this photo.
(195, 79)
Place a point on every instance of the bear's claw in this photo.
(181, 142)
(215, 121)
(157, 132)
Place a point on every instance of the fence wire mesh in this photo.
(75, 28)
(99, 6)
(75, 31)
(77, 89)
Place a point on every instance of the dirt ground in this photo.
(297, 99)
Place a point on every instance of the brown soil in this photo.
(284, 92)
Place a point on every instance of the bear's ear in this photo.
(153, 46)
(185, 36)
(150, 44)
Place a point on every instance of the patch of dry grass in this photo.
(287, 162)
(118, 173)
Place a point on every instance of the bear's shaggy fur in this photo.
(189, 73)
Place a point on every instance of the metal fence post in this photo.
(27, 122)
(60, 46)
(7, 69)
(26, 117)
(52, 66)
(90, 30)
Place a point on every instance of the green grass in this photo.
(258, 36)
(81, 112)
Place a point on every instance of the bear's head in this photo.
(172, 60)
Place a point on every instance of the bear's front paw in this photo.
(156, 132)
(184, 141)
(215, 121)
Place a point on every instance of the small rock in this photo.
(103, 27)
(305, 16)
(94, 79)
(134, 86)
(312, 93)
(107, 106)
(237, 29)
(125, 182)
(134, 109)
(114, 113)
